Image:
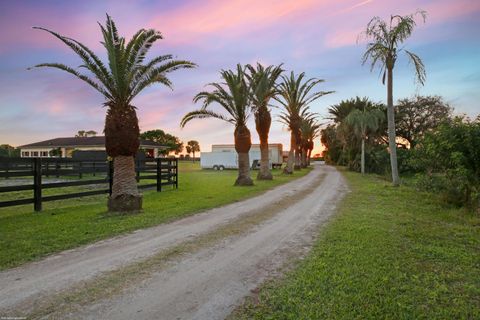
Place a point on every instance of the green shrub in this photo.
(453, 152)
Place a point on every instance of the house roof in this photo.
(97, 141)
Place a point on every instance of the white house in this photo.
(69, 144)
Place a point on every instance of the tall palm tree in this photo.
(263, 87)
(363, 121)
(295, 94)
(383, 49)
(125, 77)
(233, 95)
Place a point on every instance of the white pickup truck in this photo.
(224, 160)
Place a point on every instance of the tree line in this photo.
(441, 150)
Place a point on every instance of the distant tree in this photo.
(57, 152)
(416, 116)
(385, 43)
(173, 143)
(194, 147)
(7, 150)
(362, 122)
(309, 131)
(333, 145)
(342, 139)
(188, 149)
(85, 133)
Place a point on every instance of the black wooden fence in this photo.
(164, 171)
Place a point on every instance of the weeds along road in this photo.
(199, 267)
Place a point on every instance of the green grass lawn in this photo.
(389, 253)
(26, 235)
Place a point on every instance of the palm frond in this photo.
(385, 39)
(202, 114)
(83, 77)
(90, 60)
(232, 95)
(420, 73)
(125, 76)
(157, 75)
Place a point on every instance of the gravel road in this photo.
(205, 284)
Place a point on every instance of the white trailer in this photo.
(224, 160)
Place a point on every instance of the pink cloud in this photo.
(227, 18)
(346, 33)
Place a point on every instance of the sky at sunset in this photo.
(315, 36)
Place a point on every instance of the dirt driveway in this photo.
(199, 267)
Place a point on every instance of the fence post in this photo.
(80, 168)
(7, 167)
(159, 175)
(176, 173)
(110, 176)
(138, 169)
(93, 167)
(37, 184)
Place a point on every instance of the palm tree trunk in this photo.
(298, 150)
(310, 149)
(243, 144)
(264, 173)
(125, 196)
(291, 154)
(263, 120)
(298, 162)
(304, 157)
(121, 143)
(363, 157)
(391, 128)
(243, 178)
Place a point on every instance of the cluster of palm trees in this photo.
(356, 122)
(248, 90)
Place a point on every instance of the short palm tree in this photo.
(262, 82)
(383, 49)
(194, 147)
(125, 77)
(233, 95)
(363, 121)
(310, 130)
(295, 95)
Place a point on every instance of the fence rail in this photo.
(164, 171)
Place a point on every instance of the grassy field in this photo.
(390, 253)
(25, 235)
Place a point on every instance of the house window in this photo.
(25, 154)
(44, 154)
(34, 153)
